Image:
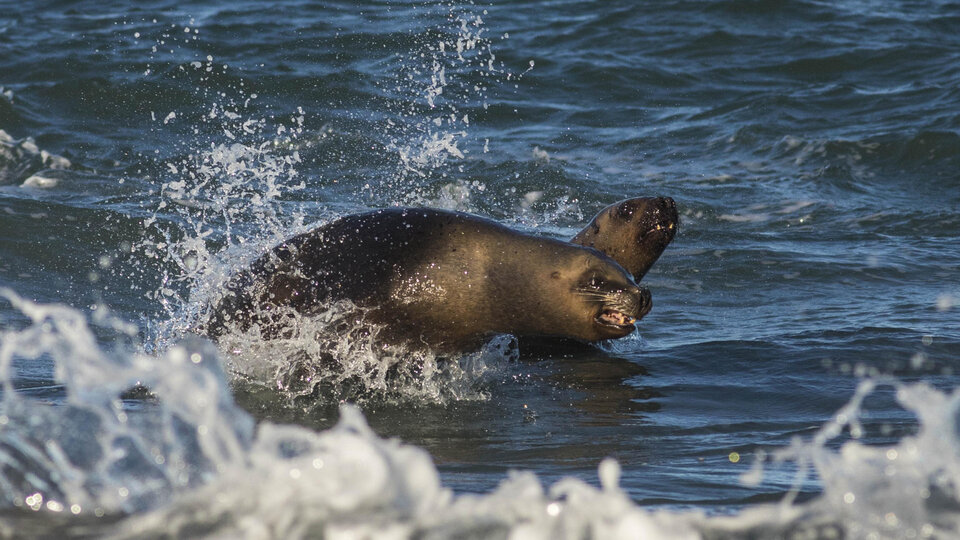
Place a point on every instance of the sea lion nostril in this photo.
(644, 298)
(666, 202)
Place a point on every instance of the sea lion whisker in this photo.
(596, 294)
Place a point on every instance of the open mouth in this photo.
(616, 318)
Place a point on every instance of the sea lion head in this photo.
(633, 232)
(604, 297)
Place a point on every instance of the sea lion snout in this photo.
(659, 217)
(625, 210)
(669, 210)
(644, 302)
(636, 301)
(622, 309)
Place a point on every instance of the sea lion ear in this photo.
(555, 275)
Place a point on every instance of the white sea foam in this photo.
(745, 217)
(40, 182)
(20, 159)
(763, 212)
(334, 356)
(83, 450)
(184, 459)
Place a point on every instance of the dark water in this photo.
(813, 149)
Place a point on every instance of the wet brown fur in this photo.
(633, 232)
(446, 280)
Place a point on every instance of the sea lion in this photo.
(633, 232)
(446, 280)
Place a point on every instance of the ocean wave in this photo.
(921, 147)
(181, 456)
(811, 148)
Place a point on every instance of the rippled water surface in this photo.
(149, 151)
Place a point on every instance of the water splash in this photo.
(70, 441)
(335, 356)
(435, 76)
(440, 85)
(226, 204)
(220, 210)
(219, 206)
(907, 489)
(178, 456)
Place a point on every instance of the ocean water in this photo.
(797, 376)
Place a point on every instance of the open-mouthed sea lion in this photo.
(443, 279)
(633, 232)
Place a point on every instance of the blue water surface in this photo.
(813, 149)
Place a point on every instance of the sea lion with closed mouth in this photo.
(633, 232)
(446, 280)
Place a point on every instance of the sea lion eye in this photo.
(595, 282)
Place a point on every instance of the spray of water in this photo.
(227, 203)
(178, 457)
(72, 439)
(335, 356)
(907, 490)
(86, 431)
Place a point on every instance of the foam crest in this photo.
(181, 457)
(23, 162)
(908, 489)
(74, 439)
(297, 484)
